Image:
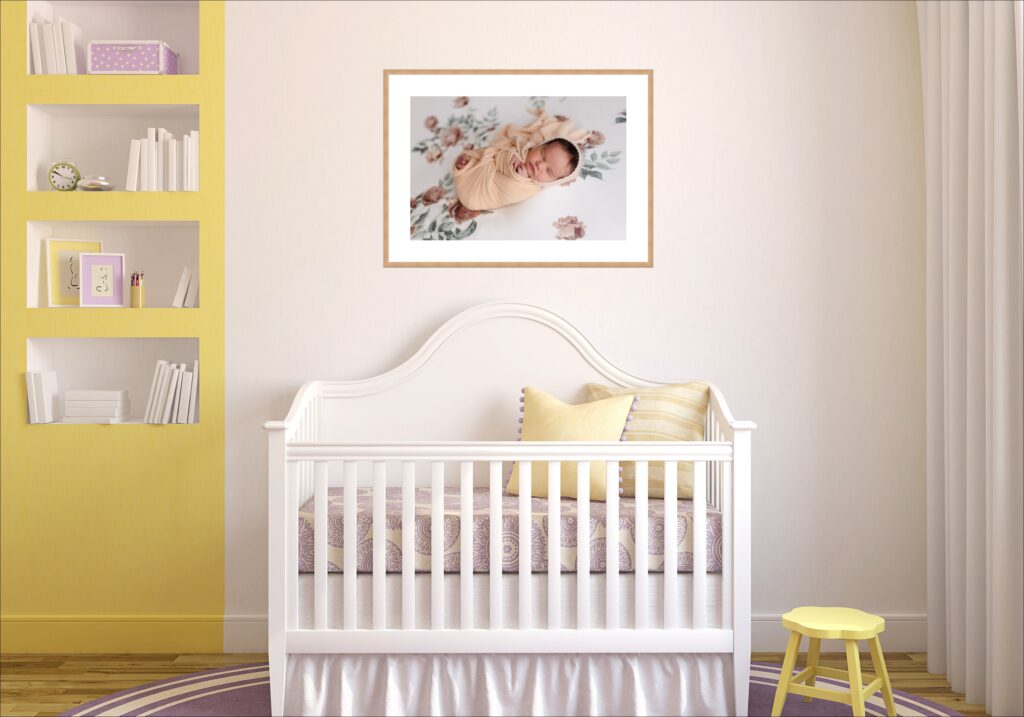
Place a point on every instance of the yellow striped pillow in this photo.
(665, 413)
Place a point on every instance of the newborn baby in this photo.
(519, 162)
(549, 162)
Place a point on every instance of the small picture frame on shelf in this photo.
(102, 280)
(63, 273)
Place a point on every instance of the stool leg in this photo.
(787, 672)
(812, 661)
(856, 682)
(878, 660)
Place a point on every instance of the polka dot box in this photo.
(142, 57)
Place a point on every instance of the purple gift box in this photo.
(141, 57)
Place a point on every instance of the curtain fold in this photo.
(971, 78)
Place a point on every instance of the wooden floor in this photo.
(908, 672)
(51, 684)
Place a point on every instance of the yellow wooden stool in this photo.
(833, 623)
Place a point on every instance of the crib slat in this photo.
(671, 543)
(494, 564)
(349, 539)
(699, 542)
(320, 547)
(379, 545)
(525, 545)
(583, 545)
(292, 544)
(611, 543)
(437, 545)
(408, 546)
(727, 561)
(466, 538)
(640, 575)
(554, 545)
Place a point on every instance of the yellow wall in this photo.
(112, 536)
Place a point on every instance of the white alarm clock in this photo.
(64, 176)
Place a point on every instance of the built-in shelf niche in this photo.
(161, 249)
(96, 138)
(175, 22)
(109, 364)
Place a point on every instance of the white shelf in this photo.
(175, 22)
(108, 364)
(96, 138)
(161, 249)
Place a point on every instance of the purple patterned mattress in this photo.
(510, 533)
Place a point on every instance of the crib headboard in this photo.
(463, 384)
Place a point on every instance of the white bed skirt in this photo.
(509, 684)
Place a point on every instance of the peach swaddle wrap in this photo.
(486, 179)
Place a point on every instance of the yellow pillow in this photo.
(665, 413)
(545, 418)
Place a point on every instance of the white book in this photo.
(161, 394)
(98, 404)
(194, 146)
(176, 406)
(111, 412)
(58, 48)
(49, 395)
(49, 51)
(172, 393)
(151, 149)
(91, 419)
(30, 390)
(172, 165)
(158, 417)
(192, 294)
(96, 395)
(194, 398)
(131, 182)
(143, 165)
(74, 51)
(186, 163)
(182, 292)
(185, 395)
(152, 390)
(161, 156)
(35, 41)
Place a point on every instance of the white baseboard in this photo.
(903, 633)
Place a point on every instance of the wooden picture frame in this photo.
(62, 267)
(510, 235)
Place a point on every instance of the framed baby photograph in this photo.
(62, 269)
(102, 280)
(531, 168)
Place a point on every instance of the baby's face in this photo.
(548, 162)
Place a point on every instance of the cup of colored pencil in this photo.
(138, 289)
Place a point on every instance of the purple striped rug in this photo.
(244, 691)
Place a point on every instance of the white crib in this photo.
(390, 431)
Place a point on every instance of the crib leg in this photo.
(741, 682)
(278, 665)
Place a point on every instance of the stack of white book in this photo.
(187, 295)
(174, 393)
(161, 162)
(96, 406)
(42, 395)
(56, 48)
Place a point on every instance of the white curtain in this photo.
(972, 74)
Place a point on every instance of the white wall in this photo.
(789, 255)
